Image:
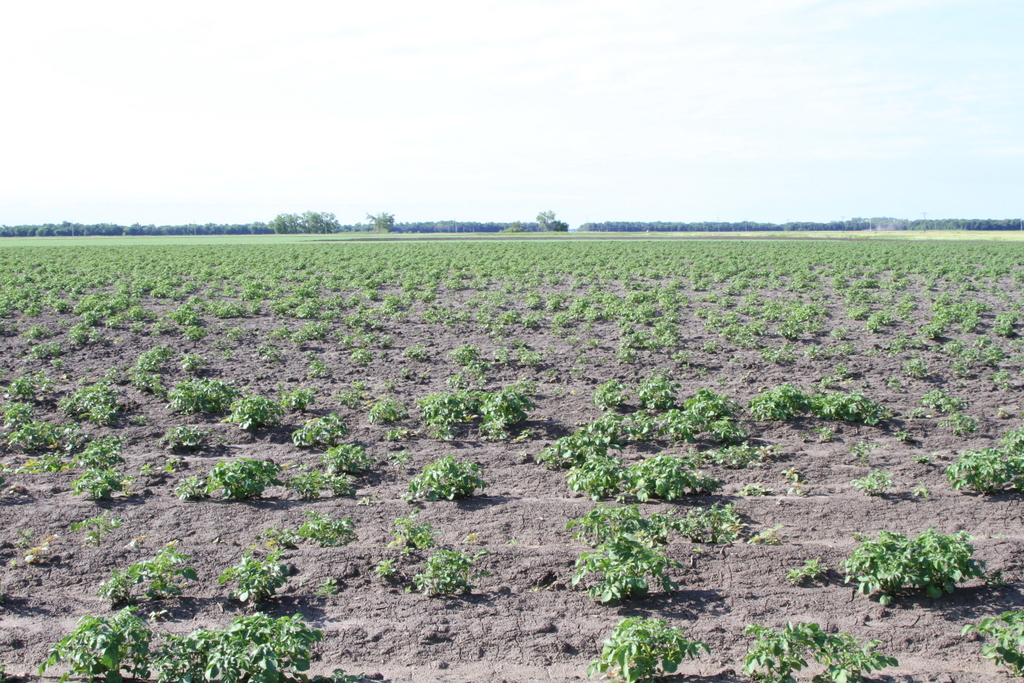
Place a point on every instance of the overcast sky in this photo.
(768, 110)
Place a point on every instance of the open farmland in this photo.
(900, 357)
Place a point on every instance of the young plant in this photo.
(776, 655)
(255, 648)
(192, 363)
(29, 386)
(242, 478)
(644, 650)
(96, 404)
(989, 470)
(101, 453)
(755, 490)
(931, 562)
(257, 580)
(445, 479)
(98, 527)
(327, 532)
(161, 573)
(297, 400)
(201, 396)
(1007, 635)
(610, 395)
(502, 409)
(942, 402)
(605, 523)
(667, 477)
(252, 412)
(715, 524)
(781, 403)
(104, 647)
(447, 572)
(346, 459)
(408, 535)
(960, 424)
(387, 411)
(442, 412)
(323, 432)
(811, 570)
(657, 392)
(99, 484)
(191, 488)
(624, 563)
(852, 407)
(877, 483)
(184, 438)
(600, 476)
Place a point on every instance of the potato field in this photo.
(710, 460)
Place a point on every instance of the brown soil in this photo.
(524, 621)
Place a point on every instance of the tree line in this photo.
(312, 222)
(876, 223)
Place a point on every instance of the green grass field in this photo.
(954, 235)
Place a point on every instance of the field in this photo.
(577, 374)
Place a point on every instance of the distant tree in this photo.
(383, 222)
(286, 223)
(319, 223)
(514, 226)
(548, 223)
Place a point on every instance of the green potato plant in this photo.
(445, 479)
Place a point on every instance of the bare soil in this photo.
(523, 622)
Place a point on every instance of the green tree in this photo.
(382, 222)
(319, 223)
(286, 223)
(548, 223)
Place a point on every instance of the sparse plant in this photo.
(876, 483)
(447, 572)
(931, 562)
(1006, 633)
(252, 412)
(960, 424)
(322, 432)
(624, 563)
(327, 532)
(242, 478)
(191, 488)
(192, 362)
(202, 396)
(297, 400)
(610, 395)
(257, 580)
(101, 484)
(97, 527)
(104, 647)
(161, 574)
(408, 535)
(346, 459)
(387, 411)
(445, 479)
(754, 490)
(811, 570)
(770, 536)
(776, 655)
(644, 650)
(185, 437)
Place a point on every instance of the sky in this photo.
(494, 110)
